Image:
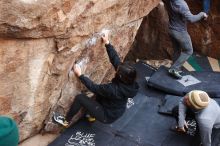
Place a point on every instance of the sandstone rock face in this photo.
(153, 42)
(206, 35)
(41, 40)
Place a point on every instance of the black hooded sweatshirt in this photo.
(112, 96)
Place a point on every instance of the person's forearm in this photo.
(184, 10)
(87, 82)
(194, 18)
(182, 114)
(105, 90)
(113, 56)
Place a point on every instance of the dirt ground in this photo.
(39, 140)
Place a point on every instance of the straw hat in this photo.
(198, 99)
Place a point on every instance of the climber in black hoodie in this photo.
(111, 98)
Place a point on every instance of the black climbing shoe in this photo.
(175, 73)
(60, 119)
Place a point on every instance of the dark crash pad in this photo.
(141, 124)
(145, 71)
(206, 81)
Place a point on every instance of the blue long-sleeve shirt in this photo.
(179, 14)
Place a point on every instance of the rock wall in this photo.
(153, 42)
(41, 39)
(206, 35)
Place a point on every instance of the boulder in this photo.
(153, 42)
(40, 40)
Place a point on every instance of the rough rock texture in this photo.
(39, 140)
(153, 42)
(23, 73)
(158, 63)
(206, 35)
(40, 41)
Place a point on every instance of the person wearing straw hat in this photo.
(206, 113)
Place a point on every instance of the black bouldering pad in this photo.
(141, 124)
(210, 82)
(145, 71)
(206, 81)
(168, 103)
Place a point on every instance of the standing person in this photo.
(179, 14)
(111, 98)
(205, 110)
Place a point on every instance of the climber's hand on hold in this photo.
(205, 16)
(105, 38)
(77, 70)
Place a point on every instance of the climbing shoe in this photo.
(60, 119)
(175, 73)
(90, 118)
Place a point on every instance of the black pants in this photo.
(93, 108)
(189, 116)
